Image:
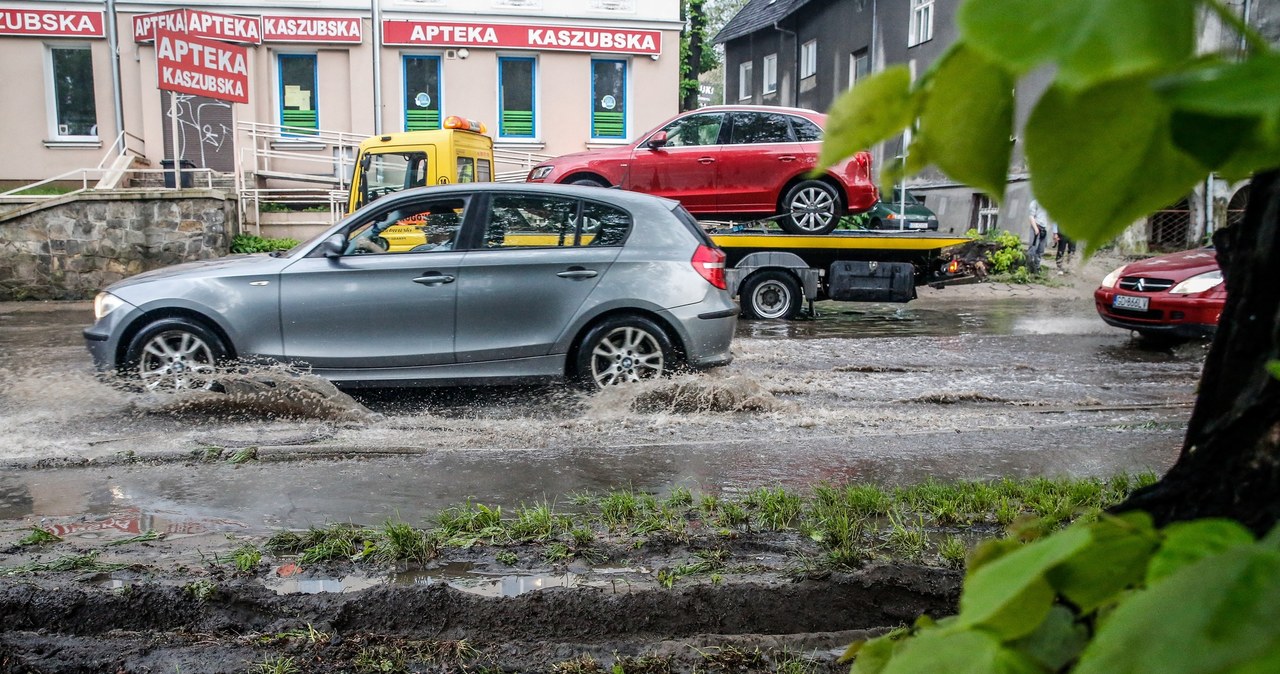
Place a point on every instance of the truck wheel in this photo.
(771, 295)
(811, 207)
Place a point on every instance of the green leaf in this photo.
(1274, 368)
(874, 655)
(966, 123)
(1116, 560)
(1186, 543)
(1011, 595)
(876, 109)
(1057, 642)
(1221, 614)
(1104, 158)
(970, 652)
(1092, 41)
(1249, 88)
(1211, 140)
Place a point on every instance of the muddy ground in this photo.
(965, 383)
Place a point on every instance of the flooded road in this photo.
(971, 385)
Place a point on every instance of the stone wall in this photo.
(73, 246)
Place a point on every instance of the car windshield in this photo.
(910, 198)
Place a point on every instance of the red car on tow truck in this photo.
(1177, 296)
(731, 162)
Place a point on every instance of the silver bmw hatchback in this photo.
(476, 283)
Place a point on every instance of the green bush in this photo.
(1008, 257)
(248, 243)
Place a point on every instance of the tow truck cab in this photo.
(458, 153)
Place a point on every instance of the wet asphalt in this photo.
(980, 385)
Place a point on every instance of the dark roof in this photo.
(755, 15)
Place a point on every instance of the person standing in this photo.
(1065, 245)
(1040, 229)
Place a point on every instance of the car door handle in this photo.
(578, 273)
(706, 160)
(430, 279)
(787, 157)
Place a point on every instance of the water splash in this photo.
(690, 394)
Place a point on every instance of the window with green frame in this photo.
(299, 107)
(608, 99)
(421, 93)
(517, 90)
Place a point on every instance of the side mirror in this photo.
(333, 246)
(657, 140)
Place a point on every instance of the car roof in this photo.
(611, 195)
(757, 108)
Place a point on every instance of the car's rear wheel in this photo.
(174, 354)
(771, 295)
(811, 207)
(621, 350)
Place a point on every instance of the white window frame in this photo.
(770, 75)
(986, 214)
(51, 96)
(808, 59)
(853, 65)
(920, 29)
(744, 80)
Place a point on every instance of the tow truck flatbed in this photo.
(773, 272)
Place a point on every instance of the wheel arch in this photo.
(677, 340)
(585, 175)
(142, 321)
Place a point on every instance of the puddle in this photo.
(463, 576)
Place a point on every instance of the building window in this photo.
(985, 215)
(744, 80)
(921, 28)
(298, 105)
(73, 112)
(808, 59)
(608, 99)
(859, 66)
(421, 93)
(516, 94)
(770, 74)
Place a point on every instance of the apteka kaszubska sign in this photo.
(194, 65)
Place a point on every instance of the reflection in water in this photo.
(458, 575)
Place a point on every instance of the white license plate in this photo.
(1130, 302)
(917, 225)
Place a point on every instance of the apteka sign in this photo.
(518, 36)
(194, 65)
(225, 27)
(51, 22)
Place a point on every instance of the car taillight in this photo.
(709, 263)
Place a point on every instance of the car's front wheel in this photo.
(771, 295)
(589, 182)
(811, 207)
(622, 349)
(174, 354)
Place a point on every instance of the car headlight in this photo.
(1198, 283)
(539, 172)
(1110, 280)
(104, 304)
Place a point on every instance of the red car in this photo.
(1179, 295)
(731, 161)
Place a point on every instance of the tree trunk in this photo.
(1230, 460)
(692, 66)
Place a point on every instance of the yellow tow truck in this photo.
(460, 152)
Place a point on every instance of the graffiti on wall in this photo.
(206, 133)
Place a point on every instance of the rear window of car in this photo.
(805, 130)
(603, 225)
(759, 127)
(691, 223)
